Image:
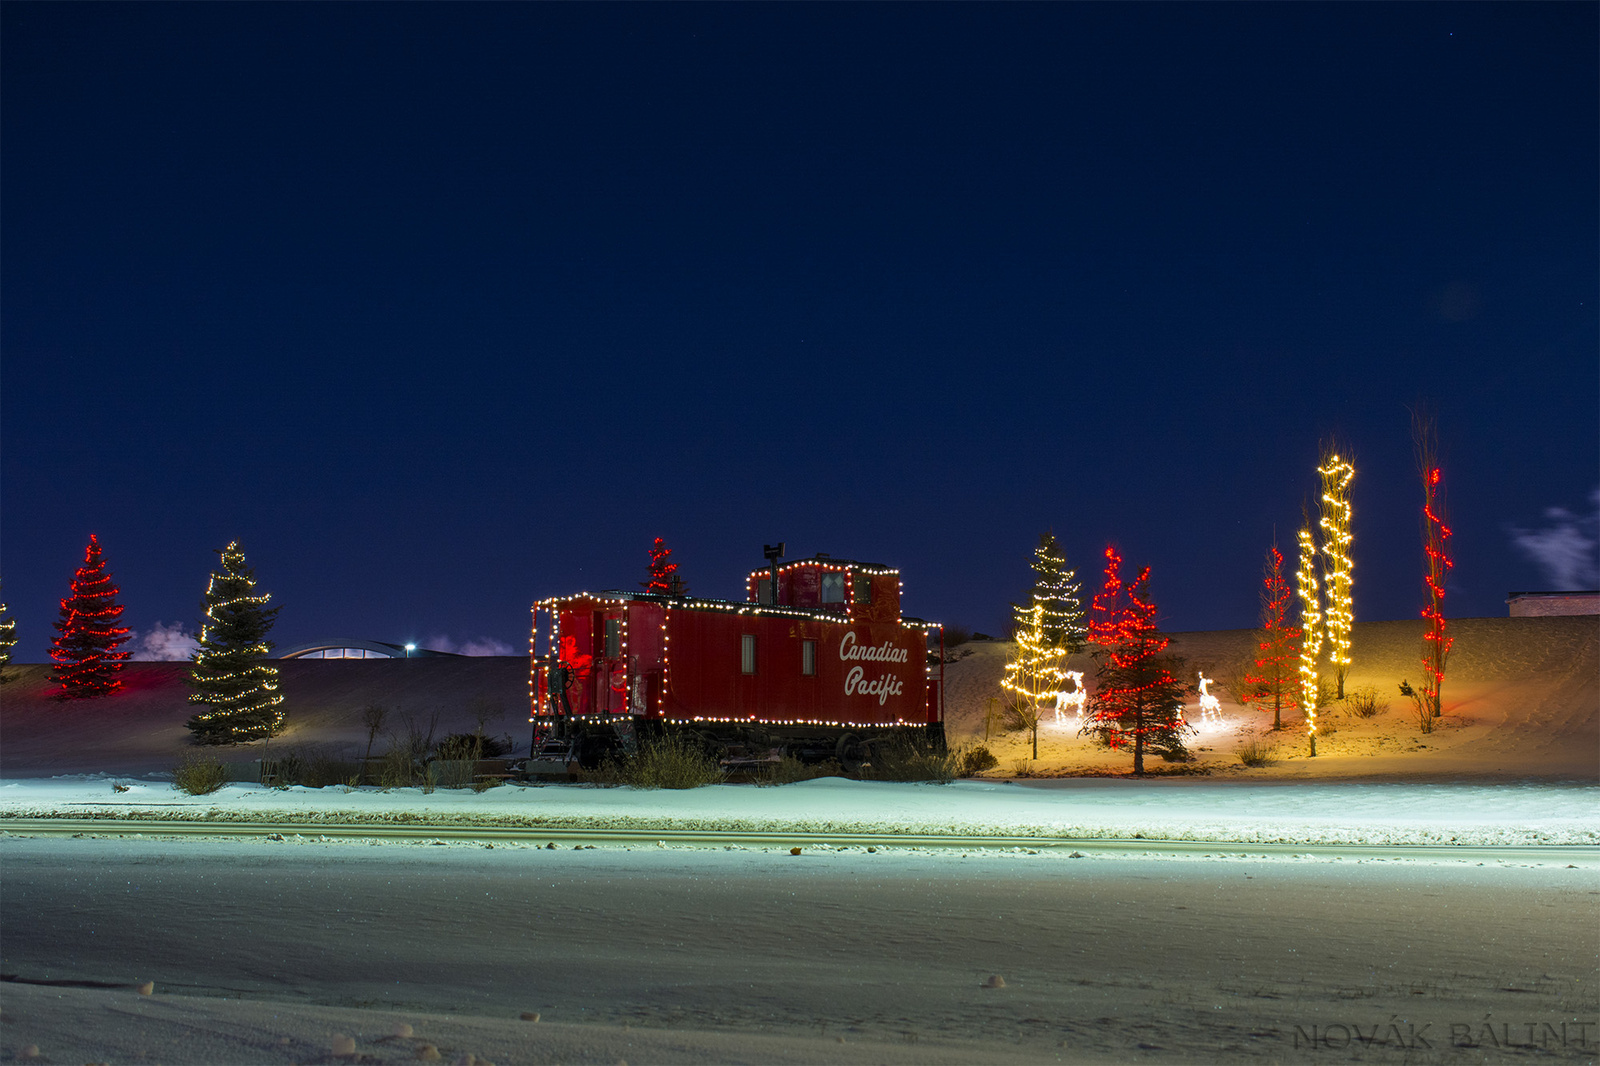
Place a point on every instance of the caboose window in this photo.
(808, 658)
(833, 587)
(861, 587)
(747, 653)
(613, 637)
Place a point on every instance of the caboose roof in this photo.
(830, 560)
(704, 603)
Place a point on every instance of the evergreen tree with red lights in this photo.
(228, 671)
(1137, 702)
(663, 573)
(88, 663)
(1275, 681)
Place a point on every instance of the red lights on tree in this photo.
(1275, 682)
(1437, 563)
(663, 573)
(1137, 702)
(87, 634)
(1105, 609)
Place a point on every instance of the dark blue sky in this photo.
(443, 308)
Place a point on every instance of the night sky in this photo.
(440, 308)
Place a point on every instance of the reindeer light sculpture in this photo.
(1076, 698)
(1210, 706)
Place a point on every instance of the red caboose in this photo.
(824, 668)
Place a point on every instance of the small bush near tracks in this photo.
(912, 760)
(671, 762)
(976, 760)
(1255, 753)
(314, 766)
(789, 770)
(1364, 702)
(199, 774)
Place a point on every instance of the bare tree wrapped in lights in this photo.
(1310, 629)
(1337, 473)
(85, 648)
(229, 673)
(1274, 683)
(1137, 702)
(1035, 672)
(1436, 553)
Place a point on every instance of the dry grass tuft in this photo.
(671, 762)
(1363, 702)
(1254, 752)
(199, 773)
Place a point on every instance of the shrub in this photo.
(1419, 706)
(909, 760)
(788, 770)
(1254, 753)
(975, 761)
(454, 773)
(317, 766)
(1364, 702)
(471, 746)
(284, 770)
(199, 773)
(1022, 768)
(671, 762)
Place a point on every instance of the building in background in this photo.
(1549, 604)
(357, 649)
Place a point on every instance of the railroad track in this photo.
(1584, 855)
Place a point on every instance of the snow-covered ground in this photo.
(1305, 812)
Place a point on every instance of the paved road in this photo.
(1178, 957)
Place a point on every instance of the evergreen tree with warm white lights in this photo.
(228, 671)
(8, 640)
(88, 638)
(1055, 590)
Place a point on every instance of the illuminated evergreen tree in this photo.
(1275, 681)
(1137, 701)
(1035, 672)
(663, 573)
(1436, 554)
(88, 663)
(8, 639)
(228, 671)
(1337, 473)
(1055, 588)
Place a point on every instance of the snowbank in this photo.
(1170, 809)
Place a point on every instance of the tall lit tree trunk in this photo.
(1337, 473)
(1437, 561)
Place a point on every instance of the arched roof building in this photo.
(346, 648)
